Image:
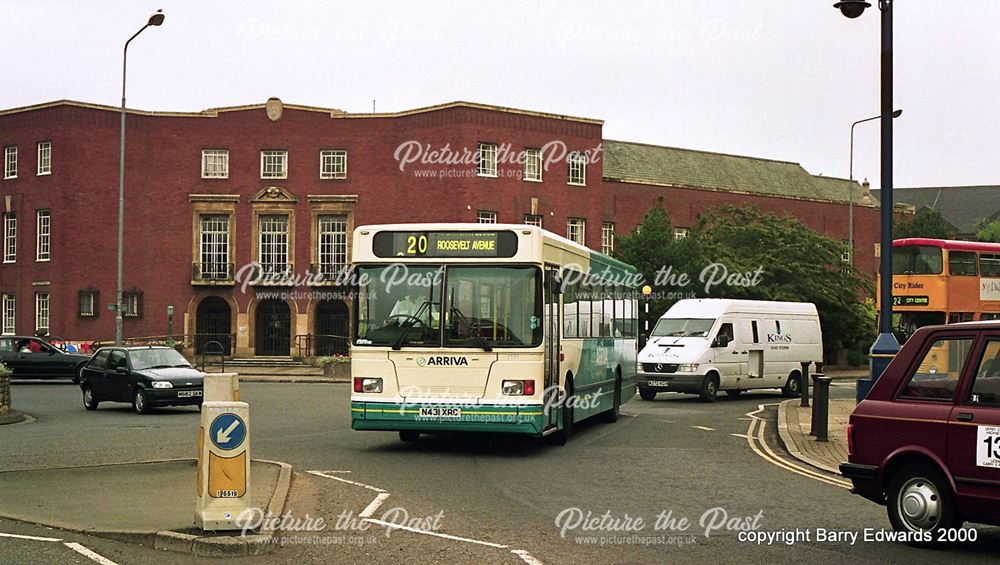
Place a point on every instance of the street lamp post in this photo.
(154, 20)
(850, 195)
(885, 346)
(170, 326)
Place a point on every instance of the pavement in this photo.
(114, 501)
(794, 427)
(278, 374)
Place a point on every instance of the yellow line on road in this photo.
(755, 434)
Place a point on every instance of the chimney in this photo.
(866, 188)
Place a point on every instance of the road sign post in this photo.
(223, 465)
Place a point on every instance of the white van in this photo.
(702, 346)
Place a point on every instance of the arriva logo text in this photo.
(443, 361)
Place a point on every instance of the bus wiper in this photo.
(483, 342)
(406, 331)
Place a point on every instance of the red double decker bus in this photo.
(938, 281)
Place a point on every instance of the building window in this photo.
(44, 157)
(88, 303)
(486, 217)
(486, 160)
(10, 162)
(576, 230)
(214, 163)
(42, 312)
(533, 220)
(9, 237)
(214, 247)
(332, 244)
(577, 169)
(333, 164)
(43, 223)
(132, 304)
(607, 238)
(273, 164)
(9, 317)
(533, 165)
(680, 233)
(273, 245)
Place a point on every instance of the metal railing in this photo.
(319, 345)
(213, 348)
(209, 272)
(186, 341)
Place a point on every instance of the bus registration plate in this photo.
(438, 412)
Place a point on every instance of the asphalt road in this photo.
(674, 461)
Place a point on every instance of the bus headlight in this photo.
(689, 368)
(518, 388)
(162, 384)
(368, 385)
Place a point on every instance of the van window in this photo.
(756, 336)
(682, 327)
(936, 376)
(725, 331)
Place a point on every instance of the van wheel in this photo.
(709, 388)
(408, 436)
(920, 500)
(793, 387)
(646, 393)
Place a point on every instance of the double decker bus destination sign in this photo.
(445, 244)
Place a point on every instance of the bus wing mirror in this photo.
(555, 284)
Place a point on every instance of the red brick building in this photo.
(283, 186)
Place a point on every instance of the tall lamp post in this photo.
(154, 20)
(850, 196)
(885, 346)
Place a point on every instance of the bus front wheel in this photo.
(562, 436)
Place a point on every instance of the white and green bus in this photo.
(488, 328)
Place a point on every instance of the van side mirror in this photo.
(721, 341)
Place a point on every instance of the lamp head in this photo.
(852, 8)
(156, 19)
(897, 113)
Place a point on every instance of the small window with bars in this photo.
(333, 164)
(486, 217)
(332, 244)
(214, 260)
(273, 244)
(576, 230)
(607, 238)
(533, 219)
(533, 165)
(273, 164)
(10, 162)
(42, 312)
(44, 158)
(132, 304)
(214, 163)
(9, 314)
(89, 299)
(43, 248)
(486, 160)
(9, 237)
(577, 169)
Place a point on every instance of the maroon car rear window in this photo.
(936, 376)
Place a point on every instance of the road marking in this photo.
(526, 557)
(706, 428)
(743, 436)
(89, 554)
(374, 505)
(355, 483)
(392, 526)
(32, 538)
(756, 434)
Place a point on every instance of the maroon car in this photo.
(926, 440)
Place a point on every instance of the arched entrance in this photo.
(213, 322)
(273, 328)
(331, 320)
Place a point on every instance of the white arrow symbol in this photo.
(223, 435)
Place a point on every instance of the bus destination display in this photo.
(911, 301)
(445, 244)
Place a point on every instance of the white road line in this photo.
(355, 483)
(435, 534)
(526, 557)
(706, 428)
(373, 505)
(89, 554)
(742, 436)
(32, 538)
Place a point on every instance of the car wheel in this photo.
(793, 386)
(734, 393)
(408, 436)
(89, 402)
(139, 402)
(562, 436)
(920, 500)
(647, 393)
(709, 388)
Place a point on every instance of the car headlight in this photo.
(162, 384)
(688, 368)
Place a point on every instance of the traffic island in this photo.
(794, 423)
(149, 503)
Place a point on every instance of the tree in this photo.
(988, 231)
(766, 257)
(927, 222)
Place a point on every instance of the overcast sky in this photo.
(763, 78)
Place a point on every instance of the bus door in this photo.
(553, 327)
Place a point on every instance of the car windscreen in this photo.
(682, 327)
(156, 359)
